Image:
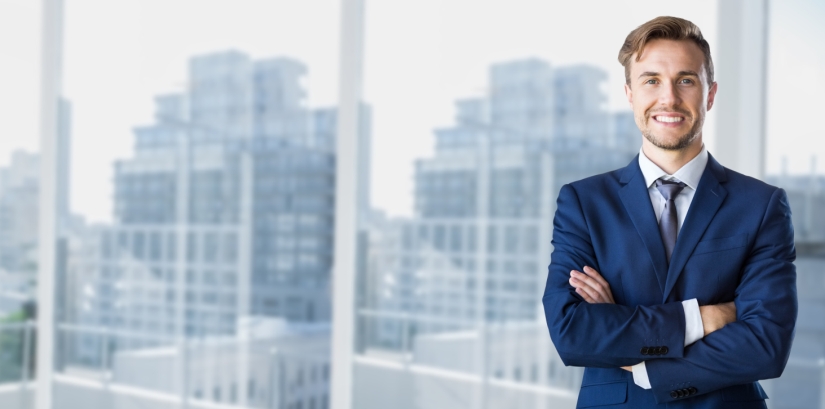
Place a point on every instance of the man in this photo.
(672, 280)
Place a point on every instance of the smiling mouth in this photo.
(668, 119)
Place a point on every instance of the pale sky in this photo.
(420, 57)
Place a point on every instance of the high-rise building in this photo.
(225, 209)
(20, 201)
(19, 204)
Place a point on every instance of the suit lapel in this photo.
(636, 201)
(706, 202)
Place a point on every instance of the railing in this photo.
(520, 355)
(93, 365)
(407, 355)
(213, 372)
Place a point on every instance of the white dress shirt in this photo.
(689, 174)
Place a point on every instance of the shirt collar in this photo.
(689, 174)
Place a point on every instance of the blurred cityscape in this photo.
(214, 280)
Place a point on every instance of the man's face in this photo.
(669, 93)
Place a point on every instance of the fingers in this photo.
(586, 296)
(592, 273)
(593, 284)
(583, 288)
(592, 287)
(590, 295)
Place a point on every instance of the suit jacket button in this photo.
(692, 390)
(657, 350)
(664, 350)
(644, 350)
(674, 395)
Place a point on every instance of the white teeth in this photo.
(669, 119)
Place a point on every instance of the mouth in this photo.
(669, 119)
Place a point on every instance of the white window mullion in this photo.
(347, 193)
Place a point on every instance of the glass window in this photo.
(794, 161)
(184, 117)
(19, 194)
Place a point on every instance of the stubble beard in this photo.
(681, 143)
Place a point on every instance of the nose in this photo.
(669, 95)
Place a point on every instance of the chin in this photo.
(675, 143)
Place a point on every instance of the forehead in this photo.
(666, 56)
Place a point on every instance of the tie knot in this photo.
(669, 189)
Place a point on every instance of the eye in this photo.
(650, 81)
(686, 81)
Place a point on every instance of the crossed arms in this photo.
(588, 330)
(594, 289)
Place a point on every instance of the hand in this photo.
(591, 286)
(714, 317)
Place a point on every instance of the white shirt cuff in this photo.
(694, 328)
(640, 375)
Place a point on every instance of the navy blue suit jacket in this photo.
(736, 244)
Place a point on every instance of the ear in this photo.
(712, 95)
(629, 94)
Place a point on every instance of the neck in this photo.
(671, 160)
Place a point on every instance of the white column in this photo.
(346, 203)
(51, 86)
(741, 72)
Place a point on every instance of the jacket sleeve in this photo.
(757, 345)
(599, 335)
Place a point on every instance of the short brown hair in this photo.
(667, 28)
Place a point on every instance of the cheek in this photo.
(697, 102)
(643, 103)
(640, 112)
(640, 119)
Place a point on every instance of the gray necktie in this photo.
(668, 226)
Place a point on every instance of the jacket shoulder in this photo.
(597, 182)
(750, 186)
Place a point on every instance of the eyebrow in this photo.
(680, 74)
